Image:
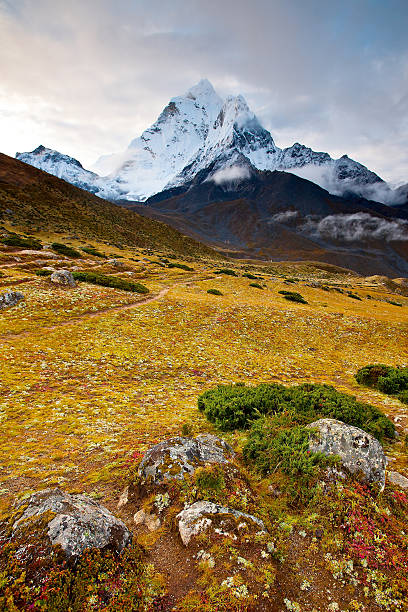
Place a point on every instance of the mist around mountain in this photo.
(198, 130)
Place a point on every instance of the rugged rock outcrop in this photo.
(10, 298)
(75, 522)
(360, 453)
(63, 277)
(202, 515)
(174, 458)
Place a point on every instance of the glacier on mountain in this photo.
(197, 131)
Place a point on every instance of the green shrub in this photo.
(393, 303)
(110, 281)
(369, 375)
(226, 271)
(354, 296)
(385, 378)
(214, 291)
(25, 243)
(403, 397)
(249, 275)
(43, 272)
(276, 442)
(63, 249)
(292, 296)
(181, 266)
(237, 406)
(257, 285)
(94, 252)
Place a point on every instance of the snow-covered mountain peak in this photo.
(198, 131)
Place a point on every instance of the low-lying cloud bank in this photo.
(326, 178)
(347, 228)
(233, 174)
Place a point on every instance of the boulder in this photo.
(398, 480)
(75, 522)
(10, 298)
(63, 277)
(115, 262)
(174, 458)
(360, 453)
(202, 515)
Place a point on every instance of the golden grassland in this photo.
(91, 377)
(80, 392)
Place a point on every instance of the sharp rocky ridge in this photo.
(199, 131)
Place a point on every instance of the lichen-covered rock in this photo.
(398, 480)
(174, 458)
(10, 298)
(76, 522)
(202, 515)
(360, 453)
(63, 277)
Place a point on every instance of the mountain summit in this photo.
(197, 131)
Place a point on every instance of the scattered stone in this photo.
(76, 523)
(174, 458)
(398, 480)
(124, 498)
(151, 521)
(63, 277)
(115, 262)
(40, 254)
(360, 453)
(10, 298)
(195, 519)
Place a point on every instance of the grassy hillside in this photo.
(93, 376)
(36, 201)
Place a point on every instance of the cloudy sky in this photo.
(87, 76)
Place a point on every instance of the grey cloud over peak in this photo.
(87, 77)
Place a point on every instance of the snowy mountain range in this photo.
(199, 130)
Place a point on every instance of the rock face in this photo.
(174, 458)
(10, 298)
(63, 277)
(78, 522)
(397, 480)
(196, 518)
(359, 452)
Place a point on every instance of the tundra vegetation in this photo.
(95, 375)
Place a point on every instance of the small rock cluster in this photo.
(10, 298)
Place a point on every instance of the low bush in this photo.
(385, 378)
(277, 442)
(43, 272)
(249, 275)
(94, 252)
(226, 271)
(66, 250)
(181, 266)
(257, 285)
(214, 291)
(292, 296)
(110, 281)
(403, 397)
(25, 243)
(354, 296)
(237, 406)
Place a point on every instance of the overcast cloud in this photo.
(86, 77)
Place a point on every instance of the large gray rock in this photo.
(77, 523)
(398, 480)
(360, 453)
(202, 515)
(174, 458)
(10, 298)
(63, 277)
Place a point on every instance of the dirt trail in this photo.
(98, 313)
